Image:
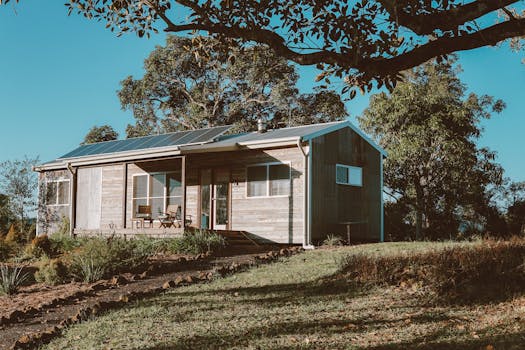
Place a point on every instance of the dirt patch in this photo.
(39, 313)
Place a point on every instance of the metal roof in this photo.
(195, 141)
(149, 142)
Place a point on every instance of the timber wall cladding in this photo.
(333, 203)
(112, 195)
(89, 190)
(279, 219)
(50, 216)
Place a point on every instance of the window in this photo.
(268, 180)
(157, 190)
(348, 175)
(57, 192)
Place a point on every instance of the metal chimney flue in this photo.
(261, 125)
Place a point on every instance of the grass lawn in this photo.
(297, 303)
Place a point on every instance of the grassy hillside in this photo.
(303, 303)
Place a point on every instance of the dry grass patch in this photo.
(299, 304)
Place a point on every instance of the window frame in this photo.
(267, 165)
(148, 197)
(349, 169)
(57, 193)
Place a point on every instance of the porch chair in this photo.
(174, 211)
(142, 215)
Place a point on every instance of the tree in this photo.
(367, 39)
(429, 129)
(100, 134)
(19, 182)
(182, 89)
(5, 214)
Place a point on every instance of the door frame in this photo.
(214, 171)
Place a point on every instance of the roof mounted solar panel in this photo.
(179, 138)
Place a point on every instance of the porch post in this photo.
(124, 194)
(183, 183)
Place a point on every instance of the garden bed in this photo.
(39, 312)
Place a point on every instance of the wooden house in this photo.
(292, 185)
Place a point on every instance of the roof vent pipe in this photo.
(261, 125)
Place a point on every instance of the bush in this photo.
(14, 235)
(39, 246)
(6, 249)
(333, 241)
(88, 269)
(62, 243)
(149, 246)
(51, 271)
(487, 271)
(99, 257)
(197, 242)
(11, 279)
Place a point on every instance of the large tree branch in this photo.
(442, 20)
(443, 46)
(372, 66)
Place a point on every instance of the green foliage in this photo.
(19, 182)
(492, 270)
(5, 215)
(51, 271)
(106, 258)
(149, 246)
(11, 279)
(197, 242)
(333, 241)
(434, 167)
(88, 269)
(15, 234)
(64, 243)
(39, 246)
(100, 134)
(194, 83)
(64, 227)
(6, 249)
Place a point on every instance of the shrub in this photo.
(197, 242)
(51, 271)
(62, 243)
(149, 246)
(11, 279)
(333, 241)
(6, 249)
(87, 269)
(14, 235)
(99, 257)
(39, 246)
(460, 274)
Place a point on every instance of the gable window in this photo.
(157, 190)
(349, 175)
(57, 192)
(268, 180)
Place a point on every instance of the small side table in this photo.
(348, 225)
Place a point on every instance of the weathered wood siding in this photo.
(333, 203)
(277, 219)
(112, 197)
(50, 217)
(89, 198)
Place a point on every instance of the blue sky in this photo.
(59, 76)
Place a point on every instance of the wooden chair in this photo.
(142, 215)
(174, 211)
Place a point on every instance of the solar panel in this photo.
(148, 142)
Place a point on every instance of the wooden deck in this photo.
(154, 231)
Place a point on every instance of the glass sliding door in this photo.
(221, 187)
(205, 219)
(215, 194)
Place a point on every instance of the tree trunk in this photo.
(419, 211)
